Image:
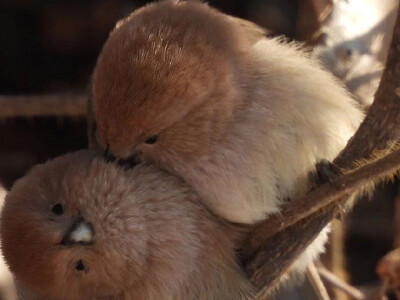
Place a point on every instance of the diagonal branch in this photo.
(267, 258)
(339, 189)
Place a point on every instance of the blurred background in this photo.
(49, 48)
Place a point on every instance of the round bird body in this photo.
(242, 123)
(80, 228)
(181, 85)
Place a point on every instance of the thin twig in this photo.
(338, 283)
(42, 105)
(315, 279)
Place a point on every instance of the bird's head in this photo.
(78, 227)
(67, 229)
(168, 81)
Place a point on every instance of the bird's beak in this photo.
(127, 163)
(130, 162)
(80, 233)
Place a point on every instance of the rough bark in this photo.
(267, 259)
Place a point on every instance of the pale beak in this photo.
(80, 233)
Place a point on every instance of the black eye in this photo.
(81, 266)
(151, 140)
(57, 209)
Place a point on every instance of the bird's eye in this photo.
(81, 266)
(57, 209)
(151, 140)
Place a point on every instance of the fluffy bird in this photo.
(80, 228)
(242, 122)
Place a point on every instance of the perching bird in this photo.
(80, 228)
(179, 84)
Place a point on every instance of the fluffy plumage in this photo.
(150, 237)
(243, 124)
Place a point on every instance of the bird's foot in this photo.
(325, 172)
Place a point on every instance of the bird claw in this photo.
(325, 172)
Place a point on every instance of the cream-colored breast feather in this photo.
(298, 114)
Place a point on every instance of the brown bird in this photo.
(80, 228)
(180, 84)
(242, 121)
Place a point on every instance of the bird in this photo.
(241, 118)
(243, 121)
(78, 227)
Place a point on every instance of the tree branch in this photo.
(267, 259)
(336, 191)
(42, 105)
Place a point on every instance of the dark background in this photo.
(52, 46)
